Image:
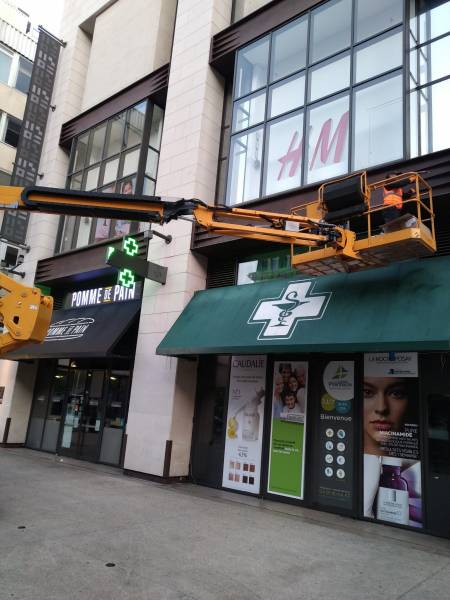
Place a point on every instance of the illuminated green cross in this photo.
(130, 246)
(126, 278)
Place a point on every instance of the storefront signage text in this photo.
(102, 295)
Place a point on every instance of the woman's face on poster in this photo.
(293, 383)
(279, 385)
(385, 404)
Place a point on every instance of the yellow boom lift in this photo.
(343, 230)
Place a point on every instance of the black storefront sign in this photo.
(334, 441)
(31, 139)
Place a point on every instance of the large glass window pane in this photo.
(24, 75)
(5, 66)
(252, 66)
(383, 54)
(102, 228)
(156, 127)
(116, 132)
(433, 116)
(245, 166)
(12, 133)
(80, 152)
(67, 235)
(330, 29)
(289, 49)
(149, 187)
(284, 154)
(378, 130)
(39, 409)
(115, 417)
(135, 125)
(130, 163)
(331, 76)
(98, 141)
(249, 112)
(373, 16)
(287, 95)
(111, 167)
(430, 20)
(433, 61)
(327, 141)
(76, 181)
(92, 178)
(152, 163)
(84, 230)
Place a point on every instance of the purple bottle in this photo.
(393, 496)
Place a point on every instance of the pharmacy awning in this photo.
(94, 331)
(405, 306)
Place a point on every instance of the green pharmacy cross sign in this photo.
(130, 266)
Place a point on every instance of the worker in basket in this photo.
(394, 195)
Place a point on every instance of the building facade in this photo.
(246, 104)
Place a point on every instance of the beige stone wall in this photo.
(163, 389)
(131, 39)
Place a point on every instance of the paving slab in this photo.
(72, 530)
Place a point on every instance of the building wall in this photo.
(163, 389)
(130, 40)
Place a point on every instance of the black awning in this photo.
(82, 332)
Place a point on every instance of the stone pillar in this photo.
(163, 388)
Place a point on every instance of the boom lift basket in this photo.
(361, 207)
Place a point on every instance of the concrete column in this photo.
(163, 389)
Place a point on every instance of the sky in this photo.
(43, 12)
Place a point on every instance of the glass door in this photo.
(82, 418)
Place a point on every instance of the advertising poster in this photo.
(334, 440)
(392, 469)
(245, 418)
(287, 437)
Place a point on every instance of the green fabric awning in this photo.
(405, 306)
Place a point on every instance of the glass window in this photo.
(152, 163)
(251, 70)
(429, 19)
(111, 167)
(430, 107)
(84, 231)
(5, 178)
(156, 127)
(378, 56)
(53, 420)
(328, 77)
(130, 163)
(102, 228)
(76, 181)
(287, 95)
(24, 75)
(433, 60)
(80, 152)
(245, 166)
(135, 125)
(12, 131)
(284, 154)
(116, 132)
(98, 141)
(92, 178)
(378, 130)
(271, 265)
(5, 65)
(375, 16)
(289, 49)
(249, 112)
(149, 187)
(327, 154)
(127, 186)
(68, 231)
(330, 29)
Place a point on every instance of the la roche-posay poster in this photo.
(244, 429)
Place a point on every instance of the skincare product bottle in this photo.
(250, 427)
(393, 496)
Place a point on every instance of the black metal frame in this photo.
(306, 107)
